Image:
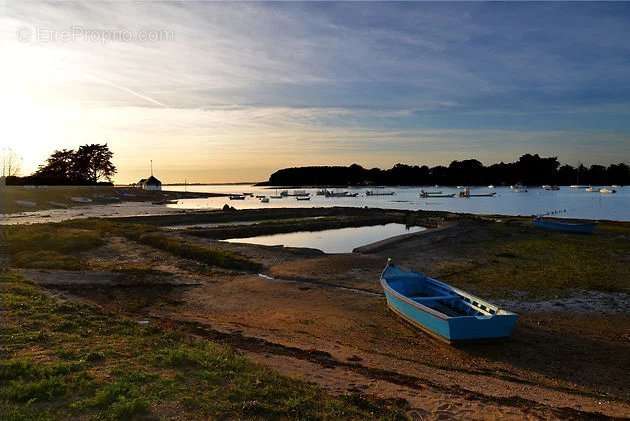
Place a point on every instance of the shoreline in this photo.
(146, 210)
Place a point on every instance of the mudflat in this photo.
(322, 318)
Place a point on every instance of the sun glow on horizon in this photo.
(240, 91)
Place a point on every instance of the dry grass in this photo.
(64, 360)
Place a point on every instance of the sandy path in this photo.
(558, 365)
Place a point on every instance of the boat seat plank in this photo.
(421, 298)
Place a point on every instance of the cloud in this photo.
(299, 80)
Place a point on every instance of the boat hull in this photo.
(453, 330)
(576, 228)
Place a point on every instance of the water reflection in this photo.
(341, 240)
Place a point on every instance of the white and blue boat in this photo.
(565, 226)
(441, 310)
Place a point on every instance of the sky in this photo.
(225, 92)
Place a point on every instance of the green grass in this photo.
(541, 263)
(50, 237)
(152, 236)
(199, 252)
(48, 246)
(59, 246)
(62, 360)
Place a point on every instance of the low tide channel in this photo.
(341, 240)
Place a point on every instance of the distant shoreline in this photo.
(240, 183)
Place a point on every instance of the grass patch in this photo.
(199, 252)
(98, 366)
(58, 246)
(48, 246)
(541, 263)
(42, 259)
(50, 237)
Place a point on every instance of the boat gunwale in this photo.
(564, 223)
(461, 294)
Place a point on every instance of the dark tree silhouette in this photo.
(88, 165)
(529, 170)
(94, 162)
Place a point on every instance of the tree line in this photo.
(530, 170)
(88, 165)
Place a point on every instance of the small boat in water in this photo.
(441, 310)
(551, 188)
(264, 199)
(79, 199)
(301, 198)
(425, 194)
(466, 193)
(330, 193)
(565, 226)
(379, 193)
(237, 197)
(607, 191)
(518, 188)
(300, 193)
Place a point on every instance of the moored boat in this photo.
(565, 226)
(300, 193)
(340, 194)
(607, 191)
(441, 310)
(301, 198)
(379, 193)
(466, 193)
(426, 195)
(79, 199)
(237, 197)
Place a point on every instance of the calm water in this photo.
(342, 240)
(578, 203)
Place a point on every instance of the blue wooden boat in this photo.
(564, 226)
(441, 310)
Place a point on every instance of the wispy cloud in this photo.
(329, 77)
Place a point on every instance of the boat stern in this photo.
(480, 328)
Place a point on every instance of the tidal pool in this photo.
(340, 240)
